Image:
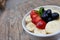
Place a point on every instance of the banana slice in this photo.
(30, 26)
(53, 26)
(39, 31)
(28, 19)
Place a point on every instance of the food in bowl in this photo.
(43, 21)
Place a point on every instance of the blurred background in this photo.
(11, 18)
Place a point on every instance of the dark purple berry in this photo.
(49, 12)
(44, 17)
(55, 15)
(49, 19)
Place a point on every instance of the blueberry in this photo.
(49, 19)
(55, 15)
(45, 12)
(49, 12)
(44, 17)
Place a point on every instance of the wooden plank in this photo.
(13, 28)
(10, 25)
(4, 26)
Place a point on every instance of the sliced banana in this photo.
(53, 26)
(28, 19)
(39, 31)
(30, 26)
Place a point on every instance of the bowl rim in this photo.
(39, 35)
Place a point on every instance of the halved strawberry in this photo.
(35, 17)
(33, 14)
(41, 24)
(36, 20)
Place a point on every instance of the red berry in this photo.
(33, 14)
(41, 24)
(35, 17)
(36, 20)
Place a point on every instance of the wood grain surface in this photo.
(11, 19)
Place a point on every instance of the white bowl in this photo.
(40, 35)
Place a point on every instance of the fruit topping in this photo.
(33, 14)
(49, 12)
(44, 17)
(45, 12)
(28, 19)
(55, 15)
(48, 16)
(39, 31)
(52, 27)
(49, 19)
(35, 17)
(41, 17)
(36, 20)
(30, 26)
(41, 24)
(41, 10)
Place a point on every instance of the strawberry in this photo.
(35, 17)
(41, 24)
(33, 14)
(36, 20)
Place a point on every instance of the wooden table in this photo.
(11, 18)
